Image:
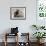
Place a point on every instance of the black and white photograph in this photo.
(18, 13)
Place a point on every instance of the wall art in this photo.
(18, 13)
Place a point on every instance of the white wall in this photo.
(24, 25)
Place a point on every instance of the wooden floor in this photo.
(13, 44)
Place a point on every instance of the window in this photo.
(41, 8)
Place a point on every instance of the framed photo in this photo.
(18, 13)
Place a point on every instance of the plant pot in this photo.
(40, 41)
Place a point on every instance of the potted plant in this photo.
(39, 35)
(42, 27)
(35, 26)
(38, 27)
